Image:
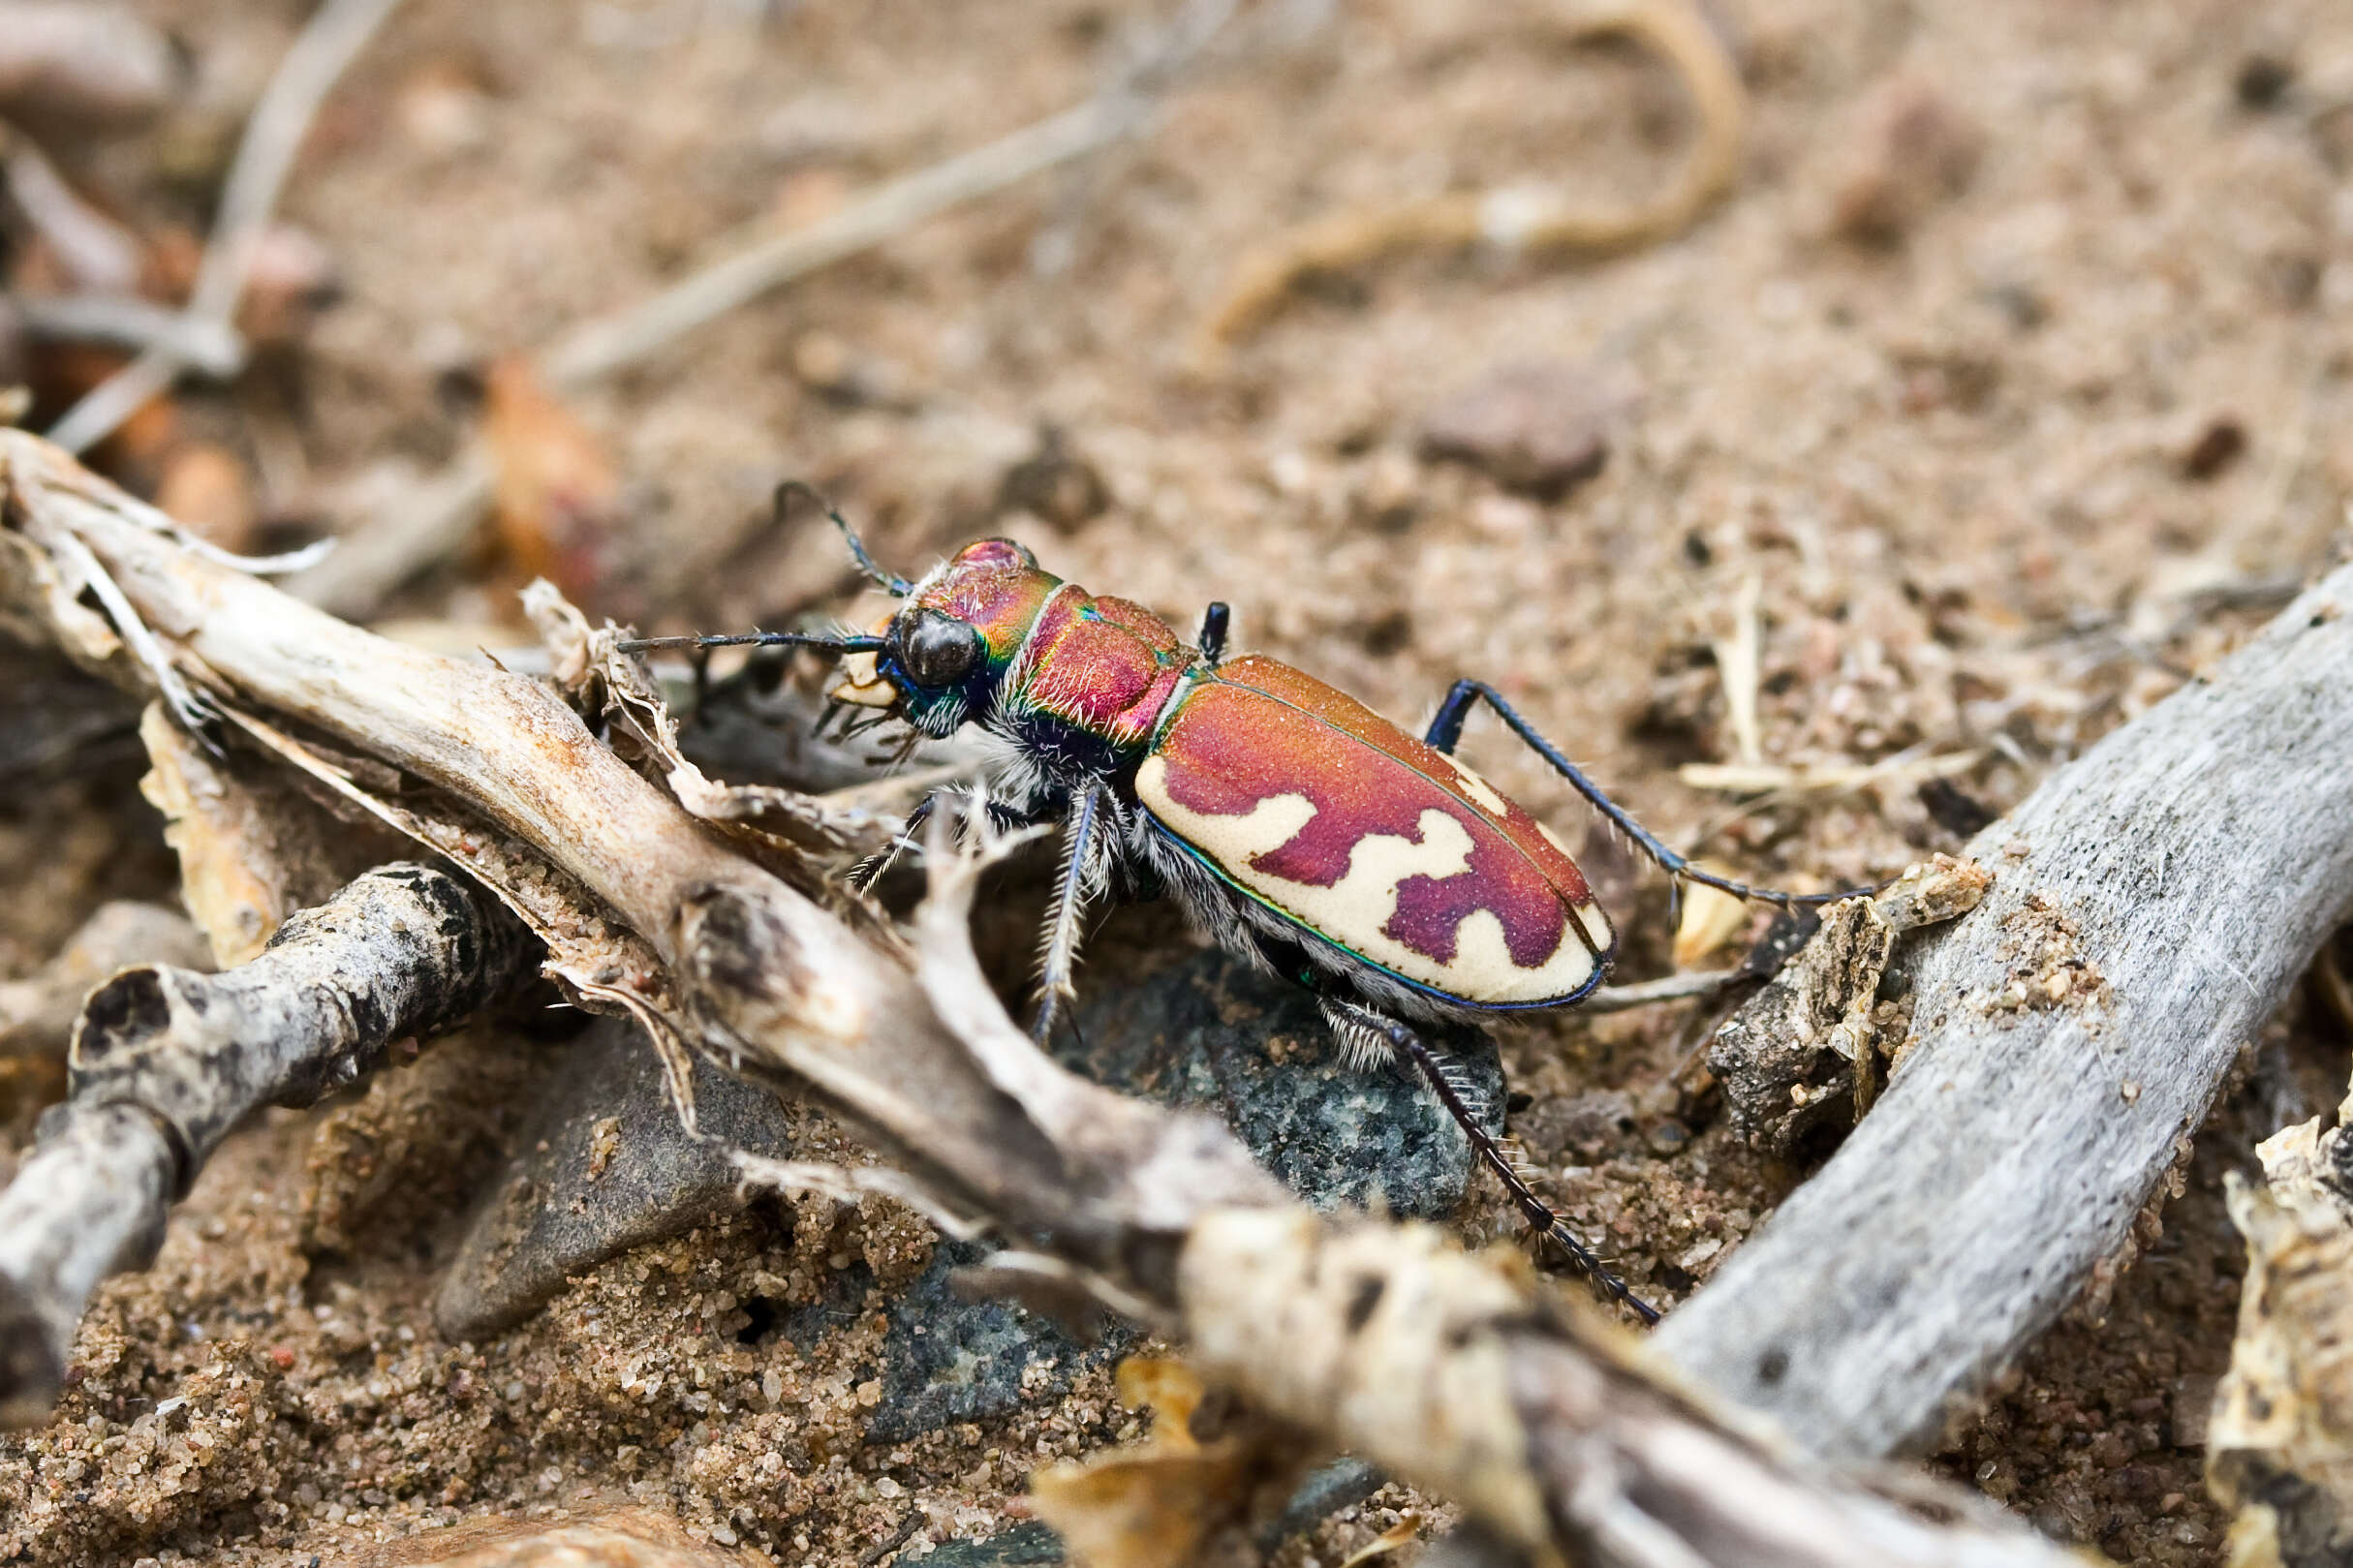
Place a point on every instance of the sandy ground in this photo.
(2019, 348)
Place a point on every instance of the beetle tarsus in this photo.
(1446, 730)
(1452, 1095)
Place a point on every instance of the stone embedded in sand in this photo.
(1212, 1033)
(1029, 1544)
(604, 1166)
(1208, 1034)
(1539, 426)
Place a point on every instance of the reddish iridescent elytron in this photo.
(1300, 829)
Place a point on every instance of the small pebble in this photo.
(1539, 426)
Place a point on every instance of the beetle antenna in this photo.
(821, 642)
(897, 586)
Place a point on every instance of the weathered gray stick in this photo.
(167, 1061)
(2151, 903)
(89, 1203)
(36, 1013)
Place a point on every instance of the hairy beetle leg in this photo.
(1446, 729)
(862, 877)
(1074, 887)
(1452, 1095)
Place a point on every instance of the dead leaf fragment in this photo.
(205, 487)
(1711, 919)
(1153, 1504)
(557, 493)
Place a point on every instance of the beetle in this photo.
(1300, 830)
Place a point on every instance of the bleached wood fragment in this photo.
(2152, 901)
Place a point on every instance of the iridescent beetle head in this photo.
(938, 657)
(935, 659)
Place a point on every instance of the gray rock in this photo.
(974, 1360)
(1032, 1545)
(1206, 1032)
(1212, 1033)
(604, 1166)
(1322, 1493)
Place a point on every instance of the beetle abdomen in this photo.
(1316, 807)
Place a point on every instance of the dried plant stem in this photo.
(1517, 218)
(334, 34)
(599, 348)
(36, 1013)
(89, 1203)
(438, 516)
(165, 1060)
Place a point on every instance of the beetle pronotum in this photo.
(1299, 829)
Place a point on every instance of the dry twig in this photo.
(36, 1013)
(332, 37)
(95, 250)
(87, 61)
(1520, 218)
(438, 516)
(2152, 902)
(167, 1061)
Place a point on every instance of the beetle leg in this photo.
(869, 871)
(1058, 947)
(1212, 640)
(866, 872)
(1446, 729)
(1457, 1096)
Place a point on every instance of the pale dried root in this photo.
(1518, 217)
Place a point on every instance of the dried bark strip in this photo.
(165, 1060)
(2279, 1448)
(2151, 903)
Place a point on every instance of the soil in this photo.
(2013, 372)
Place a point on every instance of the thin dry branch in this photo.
(83, 60)
(438, 516)
(1547, 1422)
(1520, 218)
(334, 34)
(36, 1013)
(98, 254)
(165, 1060)
(2152, 902)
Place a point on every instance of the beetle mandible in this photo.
(1300, 830)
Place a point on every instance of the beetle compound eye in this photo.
(937, 649)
